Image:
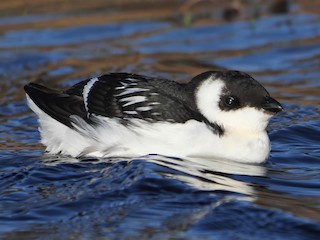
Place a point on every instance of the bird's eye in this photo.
(231, 101)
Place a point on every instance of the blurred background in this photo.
(61, 42)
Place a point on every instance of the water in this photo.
(158, 197)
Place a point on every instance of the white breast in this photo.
(190, 139)
(113, 139)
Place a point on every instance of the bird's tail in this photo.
(57, 105)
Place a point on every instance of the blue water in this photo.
(158, 197)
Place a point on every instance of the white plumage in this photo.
(244, 137)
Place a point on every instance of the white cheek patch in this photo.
(208, 97)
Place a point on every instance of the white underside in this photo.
(112, 139)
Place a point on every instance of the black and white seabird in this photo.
(220, 114)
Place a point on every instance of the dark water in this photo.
(157, 197)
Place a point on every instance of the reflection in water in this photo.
(214, 175)
(210, 174)
(201, 174)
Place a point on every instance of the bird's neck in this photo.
(246, 146)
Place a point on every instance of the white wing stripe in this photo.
(130, 91)
(143, 109)
(154, 103)
(133, 100)
(131, 112)
(86, 91)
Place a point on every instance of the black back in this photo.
(164, 100)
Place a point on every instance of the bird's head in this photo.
(234, 100)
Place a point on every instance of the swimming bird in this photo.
(218, 114)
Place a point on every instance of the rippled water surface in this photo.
(158, 197)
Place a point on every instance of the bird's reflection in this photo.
(209, 174)
(199, 173)
(213, 175)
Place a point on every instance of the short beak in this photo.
(271, 105)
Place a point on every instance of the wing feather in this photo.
(120, 95)
(134, 96)
(59, 106)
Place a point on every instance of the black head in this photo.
(241, 90)
(233, 98)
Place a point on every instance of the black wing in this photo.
(121, 95)
(59, 106)
(130, 96)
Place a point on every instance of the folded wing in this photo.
(120, 95)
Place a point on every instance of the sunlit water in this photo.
(158, 197)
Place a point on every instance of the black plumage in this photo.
(130, 96)
(59, 106)
(164, 100)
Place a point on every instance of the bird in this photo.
(217, 114)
